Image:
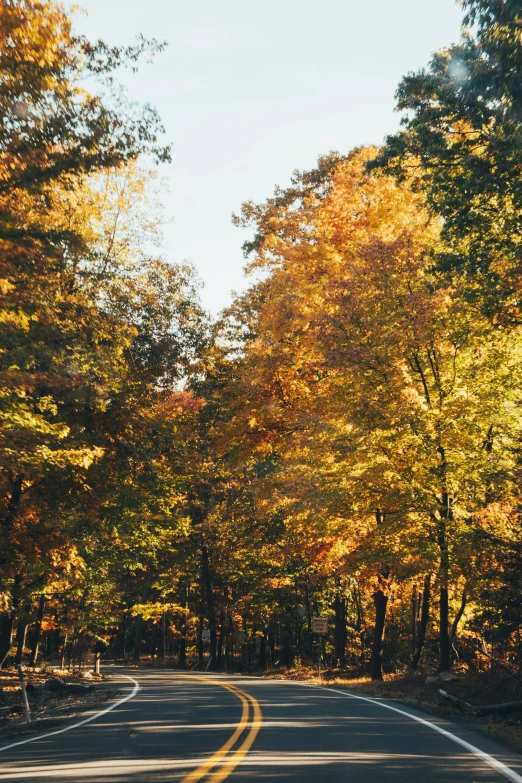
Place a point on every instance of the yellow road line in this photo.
(219, 756)
(230, 763)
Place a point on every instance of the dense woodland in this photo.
(344, 441)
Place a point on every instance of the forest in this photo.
(343, 441)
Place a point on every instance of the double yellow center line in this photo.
(226, 758)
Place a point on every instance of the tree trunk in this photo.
(458, 616)
(119, 641)
(445, 515)
(262, 650)
(6, 635)
(340, 630)
(360, 622)
(156, 638)
(7, 522)
(310, 638)
(229, 647)
(136, 653)
(37, 633)
(380, 601)
(219, 656)
(251, 648)
(7, 620)
(139, 628)
(55, 642)
(64, 652)
(209, 601)
(413, 620)
(423, 623)
(271, 648)
(286, 648)
(228, 650)
(245, 638)
(21, 632)
(444, 637)
(182, 654)
(199, 640)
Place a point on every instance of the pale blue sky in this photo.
(250, 90)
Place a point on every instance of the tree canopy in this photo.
(342, 441)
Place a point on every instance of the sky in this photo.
(250, 90)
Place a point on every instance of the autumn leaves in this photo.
(96, 335)
(344, 437)
(388, 400)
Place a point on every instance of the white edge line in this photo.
(82, 722)
(490, 760)
(497, 765)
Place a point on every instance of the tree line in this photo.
(343, 441)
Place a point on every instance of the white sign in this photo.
(320, 625)
(205, 636)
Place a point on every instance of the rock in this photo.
(448, 677)
(432, 681)
(87, 676)
(442, 677)
(55, 684)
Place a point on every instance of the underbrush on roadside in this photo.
(72, 693)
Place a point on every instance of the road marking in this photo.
(236, 758)
(219, 758)
(497, 765)
(81, 722)
(211, 762)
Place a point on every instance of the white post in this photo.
(24, 693)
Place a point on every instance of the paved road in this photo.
(211, 728)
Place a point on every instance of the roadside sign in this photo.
(205, 636)
(320, 625)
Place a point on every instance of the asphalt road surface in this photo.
(187, 728)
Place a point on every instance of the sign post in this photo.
(205, 636)
(24, 693)
(99, 649)
(320, 627)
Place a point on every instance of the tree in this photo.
(462, 145)
(94, 331)
(374, 386)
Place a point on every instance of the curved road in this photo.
(186, 728)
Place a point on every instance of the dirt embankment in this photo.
(53, 697)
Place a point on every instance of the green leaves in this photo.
(462, 144)
(98, 335)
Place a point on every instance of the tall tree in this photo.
(94, 332)
(462, 144)
(374, 386)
